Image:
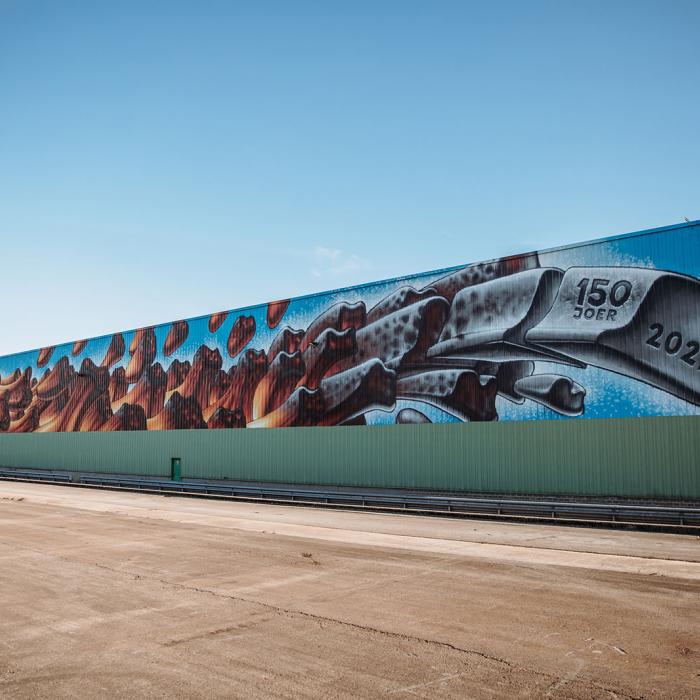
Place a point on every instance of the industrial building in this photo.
(569, 371)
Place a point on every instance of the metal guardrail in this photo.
(595, 513)
(12, 474)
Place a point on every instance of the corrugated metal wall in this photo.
(529, 374)
(643, 457)
(603, 329)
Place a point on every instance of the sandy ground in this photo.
(106, 594)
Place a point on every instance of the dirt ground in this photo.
(106, 594)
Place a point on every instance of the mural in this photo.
(600, 330)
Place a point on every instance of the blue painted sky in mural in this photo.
(162, 160)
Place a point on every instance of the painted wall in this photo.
(625, 457)
(609, 329)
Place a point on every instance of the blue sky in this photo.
(166, 159)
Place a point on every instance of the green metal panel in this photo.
(636, 457)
